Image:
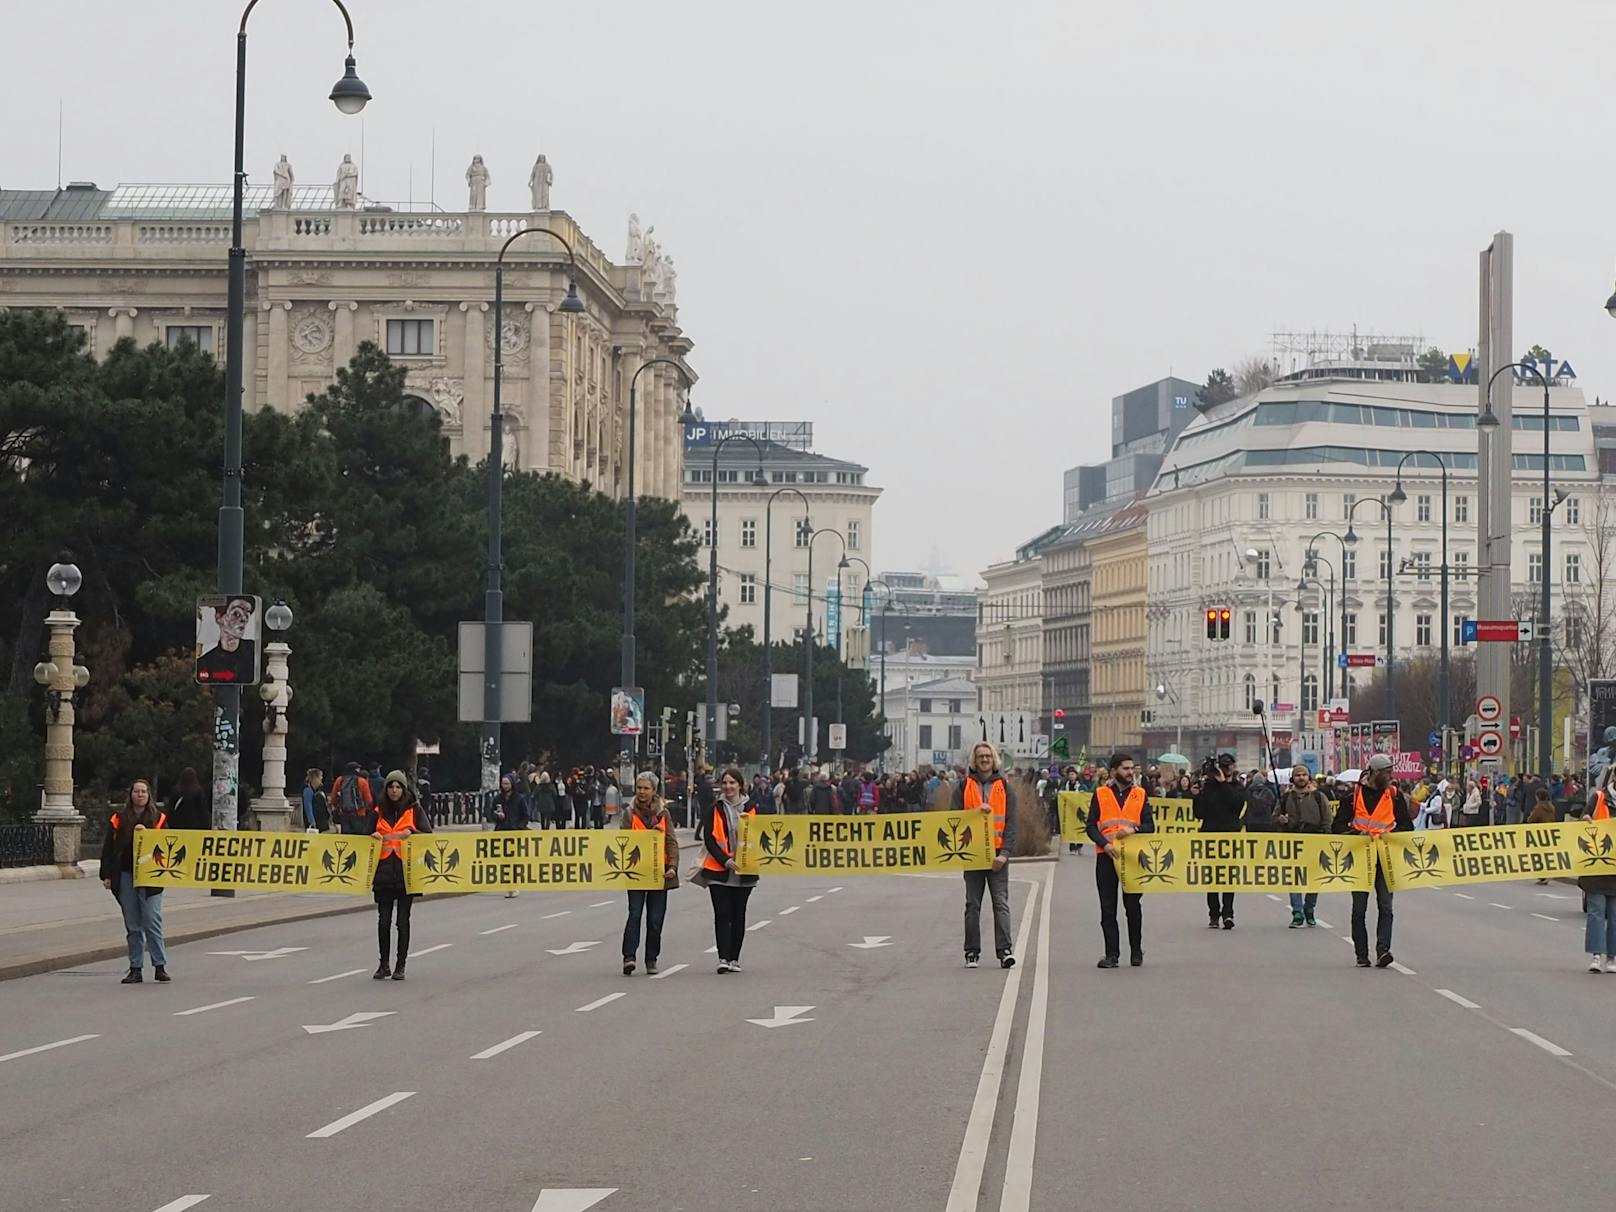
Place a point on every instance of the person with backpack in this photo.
(1304, 809)
(354, 802)
(869, 793)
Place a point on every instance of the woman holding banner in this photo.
(648, 812)
(142, 907)
(727, 887)
(393, 819)
(1599, 896)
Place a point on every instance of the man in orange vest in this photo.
(985, 789)
(1120, 809)
(1374, 808)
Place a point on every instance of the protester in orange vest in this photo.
(394, 819)
(727, 887)
(1374, 808)
(142, 907)
(984, 789)
(647, 811)
(1599, 895)
(1120, 809)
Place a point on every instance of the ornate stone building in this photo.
(327, 270)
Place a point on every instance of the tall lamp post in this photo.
(1327, 588)
(710, 741)
(809, 731)
(271, 810)
(62, 676)
(493, 589)
(630, 529)
(1312, 556)
(768, 598)
(350, 95)
(886, 606)
(1397, 497)
(1326, 642)
(1350, 538)
(1545, 660)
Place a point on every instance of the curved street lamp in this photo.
(710, 740)
(1398, 496)
(809, 731)
(1351, 537)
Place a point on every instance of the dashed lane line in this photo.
(429, 950)
(1546, 917)
(562, 913)
(497, 929)
(359, 1116)
(1555, 896)
(759, 925)
(1275, 899)
(812, 899)
(235, 1001)
(793, 909)
(828, 891)
(1406, 971)
(599, 1002)
(504, 1045)
(1496, 905)
(669, 971)
(183, 1202)
(1464, 896)
(602, 904)
(1549, 1046)
(1457, 1000)
(61, 1043)
(1324, 923)
(339, 976)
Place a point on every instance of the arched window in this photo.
(1310, 693)
(1251, 690)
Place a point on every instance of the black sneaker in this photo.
(650, 968)
(1109, 961)
(1136, 960)
(382, 972)
(1383, 960)
(1228, 923)
(398, 973)
(628, 967)
(1006, 960)
(161, 975)
(1212, 923)
(1363, 961)
(134, 977)
(973, 960)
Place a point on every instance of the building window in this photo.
(954, 708)
(1422, 565)
(748, 589)
(1534, 568)
(1310, 692)
(1384, 625)
(1573, 513)
(1262, 506)
(1458, 630)
(956, 736)
(1422, 630)
(805, 531)
(1310, 627)
(1534, 511)
(852, 536)
(1349, 565)
(1385, 563)
(1275, 627)
(1422, 508)
(1310, 506)
(1573, 569)
(1251, 690)
(709, 533)
(748, 532)
(1461, 563)
(924, 732)
(1350, 630)
(1348, 500)
(200, 335)
(799, 588)
(925, 706)
(410, 338)
(1251, 626)
(1461, 509)
(1264, 565)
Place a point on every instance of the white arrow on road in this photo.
(872, 941)
(360, 1019)
(250, 956)
(571, 1199)
(574, 949)
(784, 1016)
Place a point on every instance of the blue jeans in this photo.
(142, 921)
(639, 903)
(1304, 902)
(1601, 935)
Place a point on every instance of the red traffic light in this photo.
(1060, 714)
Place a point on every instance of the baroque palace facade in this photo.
(327, 271)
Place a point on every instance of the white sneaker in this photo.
(1596, 963)
(1610, 963)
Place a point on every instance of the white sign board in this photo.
(515, 677)
(1011, 731)
(783, 690)
(838, 737)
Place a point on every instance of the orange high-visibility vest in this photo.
(393, 834)
(1381, 820)
(720, 835)
(634, 822)
(162, 819)
(996, 801)
(1114, 815)
(1601, 807)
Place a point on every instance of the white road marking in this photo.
(1345, 938)
(354, 1117)
(573, 948)
(1406, 971)
(253, 956)
(973, 1154)
(828, 891)
(1555, 896)
(812, 899)
(670, 971)
(1548, 1046)
(872, 941)
(1546, 917)
(352, 1023)
(711, 951)
(1464, 896)
(61, 1043)
(596, 1005)
(504, 1046)
(429, 950)
(1457, 1000)
(1274, 898)
(183, 1202)
(1324, 923)
(602, 904)
(351, 972)
(1018, 1162)
(1496, 905)
(571, 1199)
(563, 913)
(784, 1016)
(759, 925)
(235, 1001)
(793, 909)
(497, 929)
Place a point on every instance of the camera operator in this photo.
(1220, 807)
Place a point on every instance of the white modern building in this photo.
(929, 720)
(1010, 630)
(1296, 466)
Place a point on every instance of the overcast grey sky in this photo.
(945, 232)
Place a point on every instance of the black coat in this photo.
(516, 809)
(1219, 807)
(190, 811)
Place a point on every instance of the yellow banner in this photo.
(1439, 857)
(1247, 862)
(555, 860)
(273, 862)
(1170, 815)
(865, 845)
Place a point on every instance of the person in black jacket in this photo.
(1107, 832)
(188, 808)
(511, 809)
(142, 907)
(1373, 808)
(1220, 807)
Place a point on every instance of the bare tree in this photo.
(1253, 374)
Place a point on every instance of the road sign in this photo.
(1334, 715)
(1284, 708)
(1514, 727)
(783, 690)
(1491, 631)
(1359, 660)
(1434, 740)
(1490, 743)
(1467, 752)
(1489, 710)
(838, 737)
(1011, 730)
(1436, 752)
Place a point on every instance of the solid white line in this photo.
(973, 1154)
(812, 899)
(1457, 1000)
(711, 951)
(563, 913)
(354, 1117)
(183, 1202)
(235, 1001)
(1548, 1046)
(429, 950)
(1324, 923)
(1555, 896)
(1345, 938)
(505, 1046)
(351, 972)
(1496, 905)
(602, 904)
(1464, 896)
(793, 909)
(61, 1043)
(670, 971)
(1024, 1127)
(1396, 967)
(596, 1005)
(1546, 917)
(497, 929)
(759, 925)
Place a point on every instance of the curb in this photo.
(39, 873)
(1035, 858)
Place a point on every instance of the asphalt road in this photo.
(1251, 1069)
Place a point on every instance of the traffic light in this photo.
(1223, 623)
(1217, 623)
(1211, 624)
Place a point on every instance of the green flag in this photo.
(1060, 748)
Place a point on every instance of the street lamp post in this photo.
(1327, 630)
(1397, 497)
(709, 743)
(768, 598)
(62, 676)
(350, 95)
(493, 591)
(1313, 556)
(810, 732)
(271, 810)
(1545, 660)
(1391, 649)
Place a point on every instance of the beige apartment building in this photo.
(1119, 568)
(150, 262)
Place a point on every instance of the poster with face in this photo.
(227, 631)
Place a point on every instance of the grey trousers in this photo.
(997, 884)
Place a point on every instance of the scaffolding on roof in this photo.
(178, 201)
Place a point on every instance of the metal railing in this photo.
(459, 807)
(30, 845)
